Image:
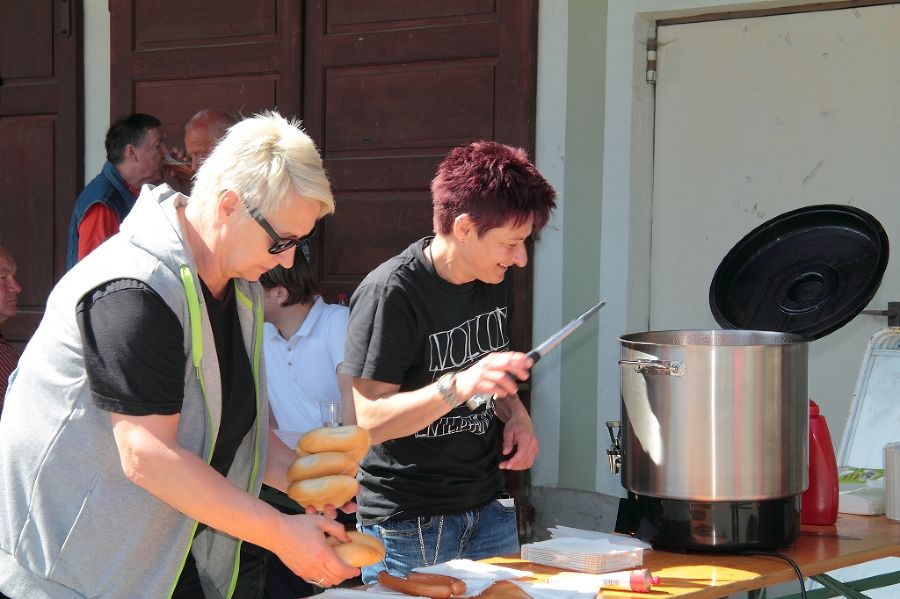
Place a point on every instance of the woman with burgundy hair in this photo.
(435, 381)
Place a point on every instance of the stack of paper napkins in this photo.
(586, 551)
(892, 480)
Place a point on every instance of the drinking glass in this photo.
(332, 413)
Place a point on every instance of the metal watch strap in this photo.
(446, 386)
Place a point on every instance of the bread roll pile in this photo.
(324, 472)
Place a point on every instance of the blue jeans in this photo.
(483, 532)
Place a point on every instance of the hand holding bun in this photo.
(362, 550)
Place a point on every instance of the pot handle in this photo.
(673, 368)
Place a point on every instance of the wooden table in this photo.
(853, 540)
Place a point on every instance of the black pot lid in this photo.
(809, 271)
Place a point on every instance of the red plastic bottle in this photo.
(819, 504)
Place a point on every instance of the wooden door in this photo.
(389, 88)
(40, 145)
(384, 88)
(171, 58)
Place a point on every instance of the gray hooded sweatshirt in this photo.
(71, 523)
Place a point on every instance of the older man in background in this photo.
(135, 155)
(9, 294)
(201, 133)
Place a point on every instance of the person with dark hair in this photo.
(303, 343)
(135, 155)
(9, 294)
(428, 345)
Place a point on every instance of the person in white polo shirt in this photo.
(304, 349)
(303, 343)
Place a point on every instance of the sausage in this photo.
(411, 587)
(457, 586)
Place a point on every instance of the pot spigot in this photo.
(614, 453)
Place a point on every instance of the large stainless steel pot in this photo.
(714, 415)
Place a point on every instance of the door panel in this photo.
(168, 100)
(40, 145)
(357, 13)
(434, 113)
(389, 88)
(167, 23)
(172, 58)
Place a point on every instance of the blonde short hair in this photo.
(264, 158)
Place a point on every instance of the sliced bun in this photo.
(364, 539)
(349, 439)
(359, 554)
(336, 490)
(322, 464)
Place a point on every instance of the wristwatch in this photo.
(446, 386)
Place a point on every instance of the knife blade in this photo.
(556, 338)
(541, 350)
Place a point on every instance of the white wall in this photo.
(623, 264)
(96, 85)
(548, 262)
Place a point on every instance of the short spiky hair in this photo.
(263, 158)
(130, 129)
(494, 184)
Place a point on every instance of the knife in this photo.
(543, 349)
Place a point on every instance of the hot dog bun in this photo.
(359, 537)
(336, 490)
(359, 453)
(362, 550)
(350, 439)
(358, 554)
(322, 464)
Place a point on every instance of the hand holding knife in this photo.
(543, 349)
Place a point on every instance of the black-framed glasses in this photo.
(279, 243)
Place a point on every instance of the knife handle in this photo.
(534, 356)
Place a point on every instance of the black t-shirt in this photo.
(135, 362)
(134, 358)
(408, 326)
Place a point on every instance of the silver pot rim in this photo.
(710, 337)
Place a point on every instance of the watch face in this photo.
(445, 388)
